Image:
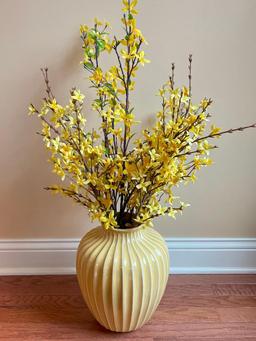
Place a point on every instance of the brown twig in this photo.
(229, 131)
(190, 74)
(189, 82)
(171, 78)
(47, 83)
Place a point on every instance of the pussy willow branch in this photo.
(190, 75)
(171, 78)
(189, 82)
(74, 195)
(163, 109)
(47, 83)
(193, 152)
(229, 131)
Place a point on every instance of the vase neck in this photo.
(136, 232)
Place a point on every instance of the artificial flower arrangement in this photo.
(125, 181)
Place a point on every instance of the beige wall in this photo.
(221, 36)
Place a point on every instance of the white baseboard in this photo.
(212, 255)
(38, 256)
(187, 256)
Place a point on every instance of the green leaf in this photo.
(98, 101)
(90, 52)
(110, 88)
(100, 44)
(88, 66)
(92, 34)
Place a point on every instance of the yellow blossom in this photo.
(77, 96)
(214, 130)
(142, 59)
(97, 76)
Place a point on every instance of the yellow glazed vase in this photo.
(122, 275)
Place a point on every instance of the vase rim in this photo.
(133, 229)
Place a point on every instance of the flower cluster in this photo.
(125, 181)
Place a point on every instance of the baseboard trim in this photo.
(212, 255)
(187, 255)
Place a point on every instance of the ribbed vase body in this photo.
(122, 275)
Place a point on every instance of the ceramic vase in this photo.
(122, 275)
